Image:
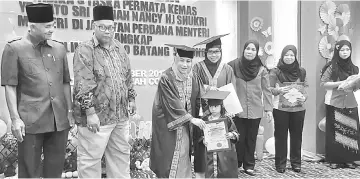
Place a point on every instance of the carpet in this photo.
(266, 169)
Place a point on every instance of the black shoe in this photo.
(333, 166)
(250, 172)
(280, 170)
(296, 169)
(350, 165)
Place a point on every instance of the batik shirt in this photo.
(102, 82)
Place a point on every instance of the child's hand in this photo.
(229, 135)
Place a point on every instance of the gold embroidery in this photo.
(345, 120)
(185, 95)
(346, 141)
(184, 89)
(344, 130)
(212, 80)
(178, 121)
(176, 156)
(215, 164)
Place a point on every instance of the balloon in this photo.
(322, 124)
(3, 128)
(68, 174)
(75, 174)
(270, 145)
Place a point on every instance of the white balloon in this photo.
(75, 174)
(68, 174)
(322, 124)
(270, 145)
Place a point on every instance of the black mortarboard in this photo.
(183, 50)
(39, 13)
(212, 41)
(215, 97)
(103, 13)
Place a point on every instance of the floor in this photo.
(265, 169)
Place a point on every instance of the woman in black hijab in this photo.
(289, 112)
(342, 120)
(252, 88)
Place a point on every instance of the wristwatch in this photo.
(70, 111)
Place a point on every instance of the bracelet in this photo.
(70, 111)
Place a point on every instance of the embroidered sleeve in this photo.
(176, 115)
(84, 79)
(129, 81)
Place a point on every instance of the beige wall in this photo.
(313, 138)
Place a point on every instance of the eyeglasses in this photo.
(103, 28)
(216, 52)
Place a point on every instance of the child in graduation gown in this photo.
(219, 164)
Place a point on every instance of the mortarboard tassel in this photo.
(201, 111)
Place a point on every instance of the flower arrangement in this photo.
(336, 26)
(139, 156)
(140, 151)
(263, 35)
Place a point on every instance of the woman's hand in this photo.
(301, 98)
(198, 122)
(283, 90)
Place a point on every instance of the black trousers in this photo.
(294, 122)
(53, 145)
(245, 148)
